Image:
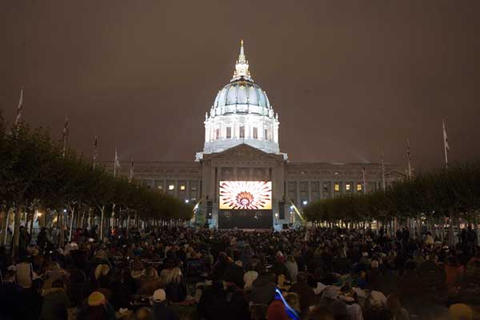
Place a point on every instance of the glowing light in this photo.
(182, 188)
(171, 187)
(246, 195)
(305, 202)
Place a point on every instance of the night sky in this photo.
(348, 78)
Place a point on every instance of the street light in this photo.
(305, 202)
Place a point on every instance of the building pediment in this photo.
(244, 152)
(396, 174)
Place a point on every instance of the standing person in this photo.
(292, 267)
(42, 239)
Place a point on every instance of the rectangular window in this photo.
(337, 187)
(171, 187)
(348, 187)
(255, 133)
(266, 134)
(359, 187)
(242, 132)
(182, 187)
(229, 132)
(217, 134)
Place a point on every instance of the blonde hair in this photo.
(175, 275)
(101, 270)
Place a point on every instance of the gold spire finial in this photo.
(241, 67)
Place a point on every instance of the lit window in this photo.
(359, 187)
(229, 132)
(182, 188)
(255, 133)
(171, 187)
(160, 187)
(348, 187)
(217, 134)
(336, 187)
(242, 132)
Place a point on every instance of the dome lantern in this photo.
(241, 66)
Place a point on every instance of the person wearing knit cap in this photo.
(97, 308)
(276, 311)
(460, 311)
(96, 299)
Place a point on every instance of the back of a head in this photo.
(302, 277)
(58, 283)
(276, 311)
(143, 313)
(320, 313)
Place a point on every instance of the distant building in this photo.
(241, 179)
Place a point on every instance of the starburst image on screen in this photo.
(246, 195)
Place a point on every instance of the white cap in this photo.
(159, 295)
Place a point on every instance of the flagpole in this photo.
(409, 160)
(446, 147)
(95, 152)
(115, 164)
(65, 137)
(19, 109)
(130, 177)
(364, 181)
(383, 172)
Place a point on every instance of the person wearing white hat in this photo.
(161, 309)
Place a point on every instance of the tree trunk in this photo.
(451, 232)
(71, 224)
(102, 218)
(31, 224)
(61, 235)
(5, 227)
(16, 231)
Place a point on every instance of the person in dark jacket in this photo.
(306, 293)
(263, 289)
(55, 302)
(234, 273)
(161, 309)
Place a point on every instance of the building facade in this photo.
(242, 153)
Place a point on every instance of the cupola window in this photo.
(242, 132)
(229, 132)
(255, 133)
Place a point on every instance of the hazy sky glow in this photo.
(347, 78)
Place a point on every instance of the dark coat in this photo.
(55, 304)
(263, 290)
(161, 311)
(306, 294)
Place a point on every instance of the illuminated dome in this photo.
(242, 96)
(241, 113)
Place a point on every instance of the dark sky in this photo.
(347, 78)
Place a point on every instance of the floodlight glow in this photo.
(246, 195)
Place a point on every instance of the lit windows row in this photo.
(171, 187)
(241, 134)
(348, 187)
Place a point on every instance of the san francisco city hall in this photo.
(242, 156)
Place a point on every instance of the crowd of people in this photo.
(196, 273)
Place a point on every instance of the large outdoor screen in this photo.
(245, 195)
